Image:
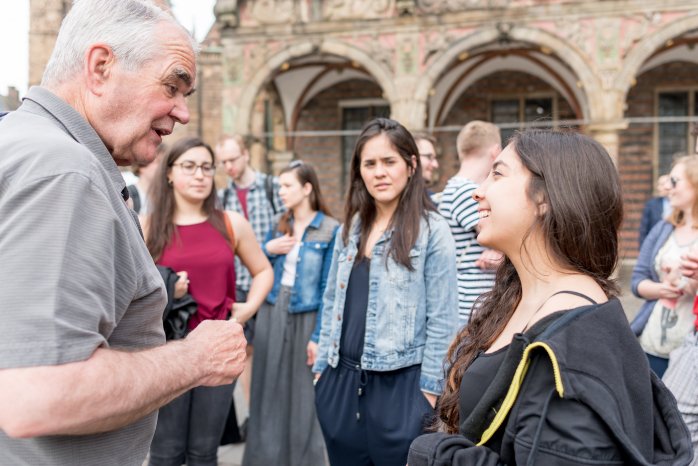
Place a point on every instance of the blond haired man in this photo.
(478, 144)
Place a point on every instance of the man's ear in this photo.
(99, 64)
(495, 151)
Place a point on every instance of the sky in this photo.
(194, 15)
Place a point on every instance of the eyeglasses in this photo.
(429, 156)
(674, 181)
(295, 163)
(189, 168)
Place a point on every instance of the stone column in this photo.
(607, 135)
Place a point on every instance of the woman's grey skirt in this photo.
(283, 428)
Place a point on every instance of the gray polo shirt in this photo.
(76, 272)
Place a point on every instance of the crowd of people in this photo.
(479, 325)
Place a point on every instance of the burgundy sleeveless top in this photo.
(205, 255)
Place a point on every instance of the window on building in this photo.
(513, 112)
(674, 137)
(355, 114)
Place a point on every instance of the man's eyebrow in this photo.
(185, 77)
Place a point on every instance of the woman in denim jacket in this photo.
(390, 308)
(283, 427)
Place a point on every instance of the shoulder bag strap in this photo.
(229, 229)
(269, 188)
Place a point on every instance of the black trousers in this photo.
(370, 418)
(189, 427)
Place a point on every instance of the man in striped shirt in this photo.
(478, 144)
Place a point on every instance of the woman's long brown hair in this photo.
(161, 227)
(414, 201)
(575, 177)
(305, 173)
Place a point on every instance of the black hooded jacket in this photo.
(576, 389)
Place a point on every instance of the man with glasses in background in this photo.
(256, 196)
(426, 145)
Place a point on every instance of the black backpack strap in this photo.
(269, 188)
(135, 197)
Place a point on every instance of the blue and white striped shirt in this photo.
(459, 209)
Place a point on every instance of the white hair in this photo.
(127, 26)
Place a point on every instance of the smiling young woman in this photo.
(656, 278)
(548, 370)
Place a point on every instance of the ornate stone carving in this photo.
(405, 7)
(226, 12)
(273, 11)
(607, 41)
(408, 50)
(381, 53)
(576, 33)
(437, 44)
(357, 9)
(638, 27)
(233, 65)
(452, 6)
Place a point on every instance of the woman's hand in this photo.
(281, 245)
(652, 290)
(181, 285)
(242, 312)
(668, 291)
(489, 259)
(311, 351)
(689, 264)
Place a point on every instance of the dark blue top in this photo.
(351, 343)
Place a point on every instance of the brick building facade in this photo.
(302, 76)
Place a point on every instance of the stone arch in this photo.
(565, 52)
(644, 49)
(382, 76)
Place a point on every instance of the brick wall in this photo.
(323, 113)
(637, 148)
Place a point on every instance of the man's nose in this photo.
(180, 111)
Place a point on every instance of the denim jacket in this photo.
(411, 316)
(314, 258)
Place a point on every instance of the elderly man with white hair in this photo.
(83, 364)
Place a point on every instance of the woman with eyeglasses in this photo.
(283, 427)
(667, 315)
(390, 308)
(186, 232)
